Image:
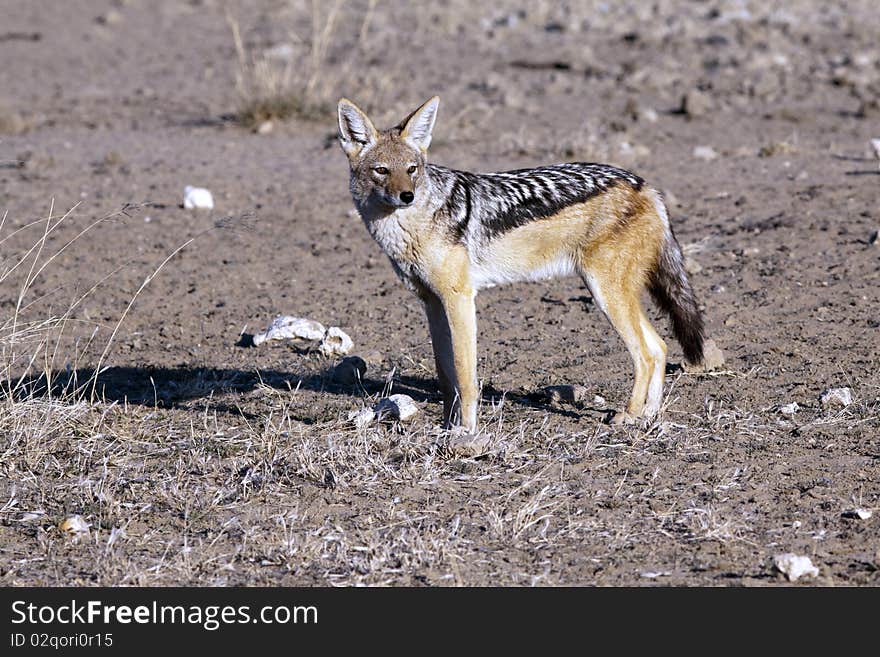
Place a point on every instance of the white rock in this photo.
(875, 144)
(649, 114)
(74, 526)
(286, 327)
(362, 417)
(705, 153)
(794, 566)
(789, 409)
(197, 198)
(335, 342)
(283, 52)
(396, 407)
(30, 516)
(836, 398)
(858, 513)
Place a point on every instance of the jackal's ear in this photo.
(417, 127)
(356, 131)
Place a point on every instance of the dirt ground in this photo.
(204, 462)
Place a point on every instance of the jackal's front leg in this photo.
(441, 342)
(462, 325)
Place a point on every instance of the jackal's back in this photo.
(499, 202)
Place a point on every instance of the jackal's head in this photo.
(386, 166)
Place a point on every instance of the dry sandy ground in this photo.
(207, 463)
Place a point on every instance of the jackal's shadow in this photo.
(177, 387)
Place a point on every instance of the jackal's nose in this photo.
(407, 197)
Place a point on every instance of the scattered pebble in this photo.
(286, 327)
(335, 342)
(875, 144)
(858, 513)
(350, 370)
(789, 409)
(282, 51)
(396, 408)
(696, 103)
(654, 574)
(470, 445)
(197, 198)
(648, 114)
(874, 239)
(31, 516)
(11, 123)
(112, 17)
(362, 417)
(637, 150)
(705, 153)
(599, 400)
(265, 128)
(794, 566)
(74, 526)
(691, 266)
(836, 398)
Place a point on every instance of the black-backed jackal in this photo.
(450, 233)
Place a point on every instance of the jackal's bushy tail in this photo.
(670, 288)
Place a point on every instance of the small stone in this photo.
(374, 357)
(794, 566)
(875, 144)
(11, 123)
(112, 17)
(283, 52)
(32, 516)
(469, 445)
(566, 394)
(648, 114)
(599, 400)
(336, 342)
(396, 408)
(696, 104)
(287, 327)
(789, 409)
(836, 398)
(362, 417)
(265, 128)
(858, 514)
(874, 239)
(705, 153)
(197, 198)
(692, 267)
(350, 370)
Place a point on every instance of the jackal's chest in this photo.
(400, 242)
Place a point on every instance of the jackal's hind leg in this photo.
(618, 297)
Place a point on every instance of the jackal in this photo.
(450, 233)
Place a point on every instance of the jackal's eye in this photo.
(382, 171)
(412, 169)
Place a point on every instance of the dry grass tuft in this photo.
(300, 79)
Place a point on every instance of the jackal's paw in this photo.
(620, 418)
